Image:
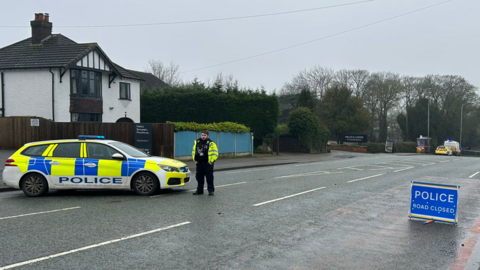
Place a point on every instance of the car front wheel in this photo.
(34, 185)
(145, 184)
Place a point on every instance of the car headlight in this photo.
(169, 168)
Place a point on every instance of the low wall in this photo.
(347, 148)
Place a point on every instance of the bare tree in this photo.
(169, 74)
(316, 80)
(385, 89)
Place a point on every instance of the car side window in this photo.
(71, 150)
(35, 151)
(100, 151)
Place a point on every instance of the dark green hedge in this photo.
(258, 111)
(375, 147)
(400, 147)
(405, 147)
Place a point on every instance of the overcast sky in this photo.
(400, 36)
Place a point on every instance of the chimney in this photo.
(41, 27)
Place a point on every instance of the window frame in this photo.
(128, 92)
(63, 144)
(76, 83)
(88, 116)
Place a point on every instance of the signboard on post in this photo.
(143, 137)
(434, 202)
(355, 138)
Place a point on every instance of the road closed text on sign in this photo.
(434, 202)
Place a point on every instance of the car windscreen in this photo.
(130, 150)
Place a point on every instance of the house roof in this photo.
(55, 51)
(151, 81)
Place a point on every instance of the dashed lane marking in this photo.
(286, 197)
(254, 170)
(473, 175)
(307, 174)
(38, 213)
(91, 246)
(404, 169)
(351, 181)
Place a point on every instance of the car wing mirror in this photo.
(118, 156)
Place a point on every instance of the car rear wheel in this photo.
(34, 185)
(145, 184)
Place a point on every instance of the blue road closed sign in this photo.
(434, 202)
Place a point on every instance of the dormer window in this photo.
(85, 83)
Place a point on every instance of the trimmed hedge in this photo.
(258, 111)
(376, 147)
(218, 127)
(405, 147)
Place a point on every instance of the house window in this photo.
(86, 117)
(125, 91)
(85, 83)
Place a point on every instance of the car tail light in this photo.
(9, 163)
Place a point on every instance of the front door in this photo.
(101, 170)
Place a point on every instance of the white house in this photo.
(51, 76)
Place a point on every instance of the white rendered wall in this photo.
(111, 98)
(28, 93)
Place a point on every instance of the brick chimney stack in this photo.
(41, 28)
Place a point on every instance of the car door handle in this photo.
(91, 165)
(54, 163)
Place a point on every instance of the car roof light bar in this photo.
(97, 137)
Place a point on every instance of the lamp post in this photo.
(428, 125)
(461, 125)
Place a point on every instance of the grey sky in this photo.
(444, 39)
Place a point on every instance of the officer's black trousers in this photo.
(204, 170)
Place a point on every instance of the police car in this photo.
(443, 150)
(91, 162)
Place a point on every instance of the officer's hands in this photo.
(210, 163)
(196, 162)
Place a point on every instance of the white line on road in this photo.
(404, 169)
(351, 168)
(286, 197)
(38, 213)
(246, 170)
(444, 161)
(473, 175)
(364, 178)
(306, 174)
(308, 164)
(161, 195)
(91, 246)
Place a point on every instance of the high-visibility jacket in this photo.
(211, 150)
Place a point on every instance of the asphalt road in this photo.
(340, 214)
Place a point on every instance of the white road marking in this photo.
(444, 161)
(246, 170)
(91, 246)
(286, 197)
(307, 174)
(38, 213)
(404, 169)
(473, 175)
(351, 168)
(203, 188)
(308, 164)
(364, 178)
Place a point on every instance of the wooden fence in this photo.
(16, 131)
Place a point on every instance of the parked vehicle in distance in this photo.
(90, 162)
(443, 150)
(454, 146)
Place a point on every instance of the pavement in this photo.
(224, 164)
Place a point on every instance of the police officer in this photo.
(204, 154)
